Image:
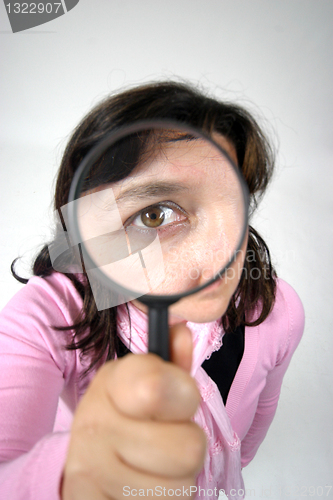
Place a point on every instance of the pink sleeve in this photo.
(288, 305)
(34, 368)
(36, 475)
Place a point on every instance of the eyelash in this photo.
(165, 227)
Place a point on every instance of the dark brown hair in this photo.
(95, 332)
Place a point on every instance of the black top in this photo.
(222, 365)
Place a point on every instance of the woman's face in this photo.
(188, 195)
(195, 234)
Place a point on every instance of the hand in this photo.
(132, 429)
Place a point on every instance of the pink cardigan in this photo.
(40, 383)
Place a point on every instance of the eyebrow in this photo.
(151, 190)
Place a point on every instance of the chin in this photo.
(203, 307)
(198, 312)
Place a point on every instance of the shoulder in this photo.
(284, 326)
(54, 294)
(28, 321)
(288, 302)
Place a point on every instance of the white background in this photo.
(275, 57)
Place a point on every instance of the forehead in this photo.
(194, 163)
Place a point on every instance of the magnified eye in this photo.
(156, 216)
(153, 217)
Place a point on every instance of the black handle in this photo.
(159, 330)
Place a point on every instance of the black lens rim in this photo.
(96, 152)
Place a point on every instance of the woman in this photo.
(83, 418)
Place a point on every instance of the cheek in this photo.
(204, 307)
(233, 275)
(207, 306)
(189, 265)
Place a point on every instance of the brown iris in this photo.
(153, 217)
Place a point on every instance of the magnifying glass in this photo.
(159, 212)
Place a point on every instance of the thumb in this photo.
(181, 346)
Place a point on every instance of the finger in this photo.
(146, 387)
(109, 476)
(173, 449)
(181, 346)
(160, 448)
(132, 483)
(170, 449)
(80, 487)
